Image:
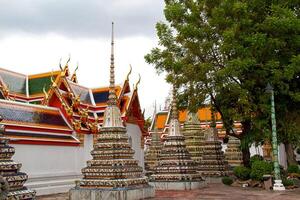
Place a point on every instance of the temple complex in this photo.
(153, 152)
(194, 136)
(50, 114)
(233, 153)
(113, 173)
(10, 171)
(175, 169)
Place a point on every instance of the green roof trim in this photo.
(36, 84)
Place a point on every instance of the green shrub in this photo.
(227, 180)
(288, 182)
(293, 169)
(260, 168)
(242, 173)
(255, 158)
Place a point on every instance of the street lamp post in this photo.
(278, 182)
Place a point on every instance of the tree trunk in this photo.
(246, 157)
(246, 126)
(291, 160)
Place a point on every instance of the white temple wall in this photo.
(135, 133)
(51, 169)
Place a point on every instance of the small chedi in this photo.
(233, 153)
(213, 164)
(12, 180)
(112, 173)
(176, 169)
(153, 152)
(194, 136)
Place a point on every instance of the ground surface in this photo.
(213, 191)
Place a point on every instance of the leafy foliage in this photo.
(260, 168)
(227, 51)
(227, 180)
(242, 172)
(255, 158)
(293, 169)
(288, 182)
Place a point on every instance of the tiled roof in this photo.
(101, 97)
(14, 81)
(31, 115)
(82, 91)
(36, 83)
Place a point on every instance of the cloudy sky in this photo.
(35, 34)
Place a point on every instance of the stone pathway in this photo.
(212, 192)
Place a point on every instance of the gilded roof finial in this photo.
(138, 82)
(61, 69)
(130, 70)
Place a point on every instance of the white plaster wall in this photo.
(88, 147)
(135, 133)
(47, 160)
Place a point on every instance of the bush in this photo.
(227, 180)
(255, 158)
(288, 182)
(242, 173)
(293, 169)
(260, 168)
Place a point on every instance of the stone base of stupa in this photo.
(111, 194)
(213, 179)
(180, 185)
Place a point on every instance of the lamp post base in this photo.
(278, 186)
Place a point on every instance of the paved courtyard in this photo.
(213, 191)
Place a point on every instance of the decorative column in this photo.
(278, 183)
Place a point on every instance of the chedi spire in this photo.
(113, 173)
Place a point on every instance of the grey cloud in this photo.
(80, 18)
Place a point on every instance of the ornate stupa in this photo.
(194, 136)
(112, 173)
(233, 153)
(213, 164)
(153, 151)
(176, 169)
(12, 179)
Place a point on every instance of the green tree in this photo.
(227, 51)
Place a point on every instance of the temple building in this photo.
(52, 118)
(113, 173)
(10, 175)
(175, 169)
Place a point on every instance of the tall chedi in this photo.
(112, 173)
(194, 136)
(233, 153)
(212, 165)
(176, 170)
(11, 179)
(154, 149)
